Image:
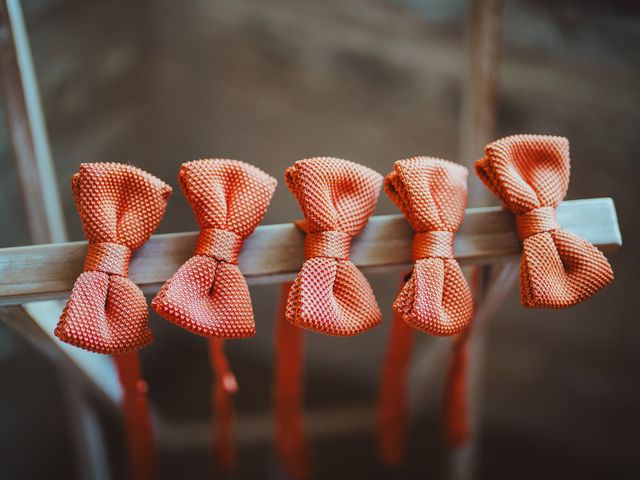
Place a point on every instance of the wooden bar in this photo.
(274, 253)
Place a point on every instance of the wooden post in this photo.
(477, 128)
(478, 117)
(28, 133)
(46, 224)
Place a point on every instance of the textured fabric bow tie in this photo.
(330, 295)
(432, 195)
(208, 295)
(530, 175)
(120, 207)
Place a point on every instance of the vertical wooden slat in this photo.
(478, 118)
(27, 127)
(477, 128)
(45, 220)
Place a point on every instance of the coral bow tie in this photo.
(208, 295)
(530, 175)
(432, 194)
(120, 207)
(330, 295)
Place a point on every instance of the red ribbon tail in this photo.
(135, 408)
(457, 425)
(456, 414)
(224, 386)
(291, 443)
(393, 404)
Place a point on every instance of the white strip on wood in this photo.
(274, 253)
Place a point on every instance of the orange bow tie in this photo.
(120, 207)
(432, 194)
(330, 295)
(530, 175)
(208, 295)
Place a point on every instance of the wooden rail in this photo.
(274, 253)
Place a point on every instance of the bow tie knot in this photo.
(111, 258)
(219, 244)
(327, 244)
(538, 220)
(434, 244)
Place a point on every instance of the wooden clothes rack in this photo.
(34, 278)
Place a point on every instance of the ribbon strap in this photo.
(111, 258)
(222, 245)
(434, 244)
(538, 220)
(328, 244)
(291, 442)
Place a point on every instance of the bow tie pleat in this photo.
(530, 175)
(330, 295)
(208, 295)
(120, 207)
(432, 194)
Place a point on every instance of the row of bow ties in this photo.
(120, 207)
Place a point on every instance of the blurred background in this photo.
(157, 83)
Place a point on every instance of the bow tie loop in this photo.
(434, 244)
(219, 244)
(538, 220)
(327, 244)
(110, 258)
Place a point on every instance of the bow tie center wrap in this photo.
(530, 175)
(120, 207)
(432, 194)
(208, 295)
(330, 295)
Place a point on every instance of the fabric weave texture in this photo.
(432, 195)
(530, 175)
(120, 207)
(208, 295)
(330, 295)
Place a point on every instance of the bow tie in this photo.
(120, 207)
(330, 295)
(530, 175)
(208, 295)
(432, 195)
